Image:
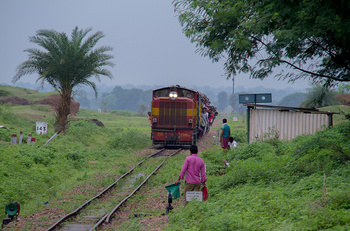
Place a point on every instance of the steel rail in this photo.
(109, 217)
(75, 212)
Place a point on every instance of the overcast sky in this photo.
(147, 40)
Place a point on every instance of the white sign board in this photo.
(41, 128)
(197, 195)
(218, 138)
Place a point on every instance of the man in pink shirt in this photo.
(194, 168)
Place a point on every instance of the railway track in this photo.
(101, 208)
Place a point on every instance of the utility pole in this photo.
(233, 94)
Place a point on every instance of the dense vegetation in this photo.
(272, 185)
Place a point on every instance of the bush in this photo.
(340, 199)
(239, 135)
(256, 149)
(336, 140)
(5, 135)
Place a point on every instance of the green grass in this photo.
(113, 120)
(16, 91)
(276, 186)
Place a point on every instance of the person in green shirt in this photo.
(225, 134)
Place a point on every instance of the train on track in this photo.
(176, 116)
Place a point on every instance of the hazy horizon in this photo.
(149, 47)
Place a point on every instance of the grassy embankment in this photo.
(271, 185)
(33, 174)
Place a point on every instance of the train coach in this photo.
(176, 116)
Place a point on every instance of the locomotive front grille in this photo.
(173, 113)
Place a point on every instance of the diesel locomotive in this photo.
(176, 116)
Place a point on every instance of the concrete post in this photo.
(52, 137)
(20, 137)
(29, 138)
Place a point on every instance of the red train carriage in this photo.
(175, 116)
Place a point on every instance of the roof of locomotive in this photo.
(204, 98)
(176, 86)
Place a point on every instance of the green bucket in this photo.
(12, 209)
(174, 189)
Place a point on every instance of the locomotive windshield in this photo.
(187, 94)
(162, 93)
(165, 92)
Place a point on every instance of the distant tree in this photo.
(320, 96)
(222, 100)
(81, 97)
(237, 106)
(309, 36)
(127, 99)
(65, 64)
(104, 105)
(109, 101)
(146, 98)
(142, 109)
(292, 100)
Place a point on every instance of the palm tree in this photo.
(320, 95)
(65, 64)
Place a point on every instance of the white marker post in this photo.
(13, 139)
(52, 137)
(218, 138)
(20, 137)
(29, 139)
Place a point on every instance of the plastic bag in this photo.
(205, 193)
(174, 189)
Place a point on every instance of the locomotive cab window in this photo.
(162, 93)
(187, 94)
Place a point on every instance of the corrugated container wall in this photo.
(267, 123)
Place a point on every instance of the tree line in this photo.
(126, 99)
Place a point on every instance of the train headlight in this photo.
(173, 95)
